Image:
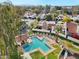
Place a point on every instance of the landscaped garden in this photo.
(55, 53)
(37, 55)
(71, 46)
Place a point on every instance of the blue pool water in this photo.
(36, 43)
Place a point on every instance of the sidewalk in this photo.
(26, 56)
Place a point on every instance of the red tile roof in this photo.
(21, 37)
(72, 27)
(75, 35)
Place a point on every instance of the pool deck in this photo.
(28, 56)
(39, 49)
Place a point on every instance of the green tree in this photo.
(48, 17)
(34, 24)
(38, 18)
(77, 21)
(58, 8)
(47, 8)
(9, 25)
(58, 29)
(37, 11)
(67, 19)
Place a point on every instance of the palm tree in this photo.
(33, 26)
(49, 17)
(57, 30)
(9, 25)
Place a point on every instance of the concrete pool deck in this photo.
(39, 49)
(28, 56)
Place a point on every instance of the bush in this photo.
(48, 17)
(77, 21)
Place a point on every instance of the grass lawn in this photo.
(70, 46)
(37, 55)
(52, 55)
(55, 53)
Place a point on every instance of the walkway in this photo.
(26, 56)
(47, 31)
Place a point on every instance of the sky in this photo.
(45, 2)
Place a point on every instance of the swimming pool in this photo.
(36, 43)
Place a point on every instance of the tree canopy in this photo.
(9, 26)
(48, 17)
(67, 19)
